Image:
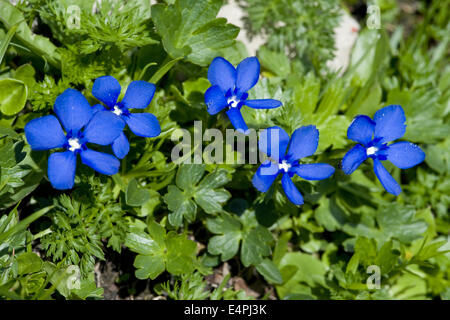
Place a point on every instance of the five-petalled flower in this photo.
(229, 89)
(274, 142)
(139, 94)
(82, 127)
(388, 124)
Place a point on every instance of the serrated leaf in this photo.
(158, 252)
(29, 262)
(42, 46)
(398, 222)
(188, 175)
(270, 271)
(189, 28)
(180, 206)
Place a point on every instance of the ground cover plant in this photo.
(114, 183)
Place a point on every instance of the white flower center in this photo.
(117, 111)
(371, 150)
(74, 144)
(233, 102)
(284, 165)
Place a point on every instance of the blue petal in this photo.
(144, 124)
(265, 175)
(61, 169)
(98, 107)
(73, 110)
(361, 129)
(45, 133)
(139, 95)
(100, 162)
(405, 154)
(314, 171)
(103, 128)
(222, 73)
(385, 178)
(390, 123)
(121, 146)
(304, 143)
(273, 141)
(107, 90)
(291, 190)
(353, 159)
(237, 120)
(247, 74)
(215, 100)
(263, 103)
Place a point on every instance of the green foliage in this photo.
(193, 287)
(294, 27)
(189, 28)
(13, 96)
(194, 231)
(159, 251)
(114, 25)
(231, 231)
(182, 199)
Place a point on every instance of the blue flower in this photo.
(82, 127)
(388, 124)
(274, 142)
(229, 89)
(139, 94)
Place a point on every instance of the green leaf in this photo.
(298, 269)
(142, 243)
(255, 245)
(29, 262)
(256, 239)
(189, 28)
(135, 195)
(8, 132)
(398, 222)
(206, 194)
(270, 271)
(13, 96)
(226, 244)
(10, 16)
(25, 73)
(158, 252)
(6, 41)
(163, 70)
(188, 175)
(180, 254)
(275, 62)
(180, 206)
(149, 266)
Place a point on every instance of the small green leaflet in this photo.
(189, 28)
(183, 198)
(158, 251)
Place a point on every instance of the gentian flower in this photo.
(274, 142)
(82, 127)
(229, 89)
(388, 124)
(139, 94)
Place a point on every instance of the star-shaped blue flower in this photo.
(274, 142)
(229, 89)
(82, 127)
(139, 94)
(388, 124)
